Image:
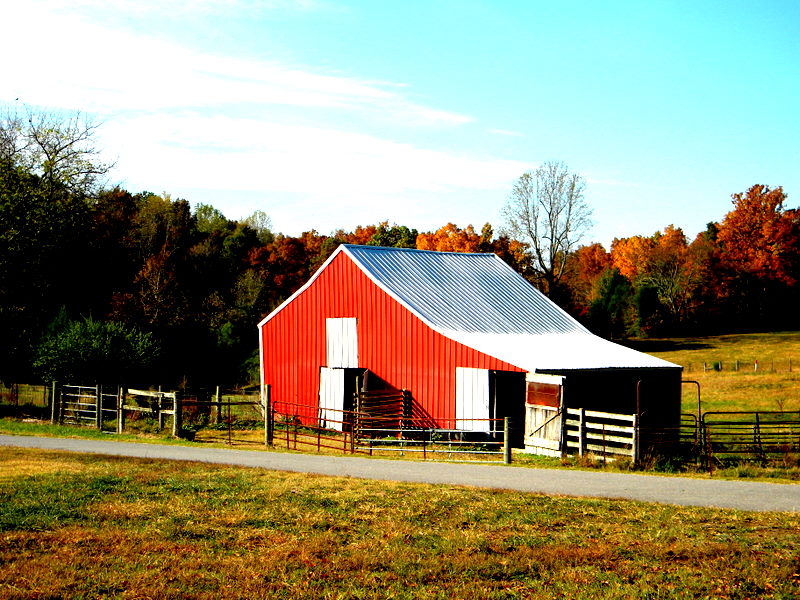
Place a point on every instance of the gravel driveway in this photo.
(743, 495)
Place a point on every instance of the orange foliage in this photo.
(759, 236)
(592, 261)
(450, 238)
(629, 255)
(360, 236)
(586, 265)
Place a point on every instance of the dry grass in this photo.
(90, 527)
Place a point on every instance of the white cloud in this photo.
(242, 154)
(83, 66)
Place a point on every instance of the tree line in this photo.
(100, 283)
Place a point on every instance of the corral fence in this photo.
(764, 435)
(386, 425)
(607, 435)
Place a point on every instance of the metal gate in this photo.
(84, 405)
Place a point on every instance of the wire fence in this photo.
(22, 394)
(770, 365)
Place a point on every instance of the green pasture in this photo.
(713, 361)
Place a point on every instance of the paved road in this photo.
(743, 495)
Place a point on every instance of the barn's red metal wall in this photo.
(392, 342)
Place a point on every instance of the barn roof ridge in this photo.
(371, 248)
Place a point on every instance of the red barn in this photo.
(467, 336)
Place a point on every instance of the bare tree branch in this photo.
(61, 150)
(547, 211)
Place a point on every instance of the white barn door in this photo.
(341, 336)
(472, 399)
(331, 398)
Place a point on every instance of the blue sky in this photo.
(329, 114)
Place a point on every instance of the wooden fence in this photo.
(608, 435)
(156, 403)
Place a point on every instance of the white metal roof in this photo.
(479, 301)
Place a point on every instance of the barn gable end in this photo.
(393, 342)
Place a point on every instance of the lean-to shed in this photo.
(464, 334)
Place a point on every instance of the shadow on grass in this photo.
(24, 411)
(666, 345)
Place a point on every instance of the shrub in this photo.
(94, 351)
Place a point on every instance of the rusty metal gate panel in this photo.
(543, 414)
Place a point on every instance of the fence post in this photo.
(265, 403)
(60, 416)
(54, 403)
(506, 441)
(271, 418)
(581, 432)
(218, 401)
(635, 440)
(176, 417)
(160, 413)
(604, 442)
(757, 438)
(120, 410)
(99, 406)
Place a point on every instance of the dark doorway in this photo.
(507, 399)
(353, 380)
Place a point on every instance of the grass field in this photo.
(82, 526)
(774, 386)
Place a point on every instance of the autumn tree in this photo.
(450, 238)
(360, 236)
(758, 264)
(548, 212)
(760, 237)
(665, 274)
(587, 264)
(629, 255)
